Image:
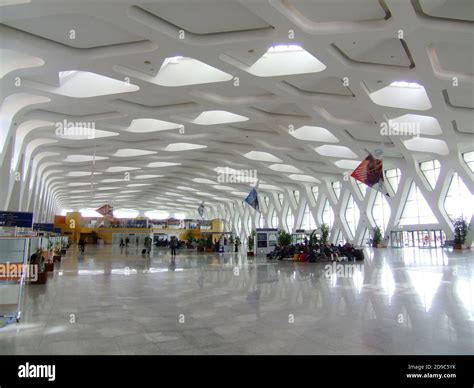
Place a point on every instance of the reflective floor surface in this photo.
(112, 301)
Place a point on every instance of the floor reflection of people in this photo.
(200, 280)
(172, 266)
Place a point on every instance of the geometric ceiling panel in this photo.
(238, 90)
(88, 31)
(329, 85)
(13, 60)
(181, 71)
(150, 125)
(335, 151)
(282, 60)
(82, 84)
(400, 94)
(422, 144)
(310, 133)
(389, 51)
(454, 9)
(183, 147)
(353, 11)
(412, 124)
(453, 57)
(285, 168)
(207, 17)
(262, 156)
(218, 117)
(128, 152)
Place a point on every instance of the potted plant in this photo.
(38, 259)
(251, 242)
(324, 233)
(209, 245)
(201, 245)
(284, 238)
(189, 239)
(377, 240)
(461, 228)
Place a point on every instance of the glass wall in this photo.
(336, 186)
(416, 210)
(308, 222)
(352, 215)
(328, 214)
(459, 201)
(393, 177)
(290, 221)
(469, 159)
(430, 170)
(381, 211)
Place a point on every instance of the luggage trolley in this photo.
(13, 271)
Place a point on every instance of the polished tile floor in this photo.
(112, 301)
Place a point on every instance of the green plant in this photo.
(461, 228)
(284, 238)
(201, 243)
(209, 242)
(324, 233)
(377, 236)
(189, 237)
(38, 259)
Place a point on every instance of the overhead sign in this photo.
(19, 219)
(43, 227)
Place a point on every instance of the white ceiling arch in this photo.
(170, 97)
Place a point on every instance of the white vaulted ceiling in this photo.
(295, 89)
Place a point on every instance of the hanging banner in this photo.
(105, 210)
(370, 172)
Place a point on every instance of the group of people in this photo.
(323, 252)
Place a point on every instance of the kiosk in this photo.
(265, 241)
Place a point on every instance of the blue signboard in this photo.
(43, 227)
(19, 219)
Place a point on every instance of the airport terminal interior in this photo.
(236, 177)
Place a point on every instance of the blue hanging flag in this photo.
(252, 199)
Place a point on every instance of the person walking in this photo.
(148, 242)
(173, 245)
(127, 241)
(82, 245)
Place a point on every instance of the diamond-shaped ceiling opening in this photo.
(423, 144)
(314, 134)
(213, 117)
(262, 156)
(401, 94)
(347, 164)
(335, 151)
(129, 152)
(83, 158)
(14, 60)
(412, 125)
(162, 164)
(82, 84)
(285, 168)
(282, 60)
(183, 147)
(82, 133)
(303, 178)
(151, 125)
(181, 71)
